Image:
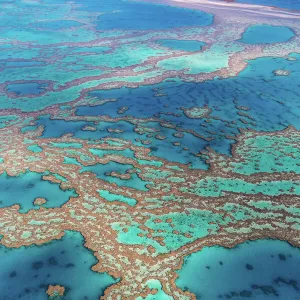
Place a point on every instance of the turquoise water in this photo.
(102, 153)
(61, 53)
(133, 15)
(159, 294)
(22, 89)
(56, 25)
(266, 34)
(115, 197)
(103, 171)
(88, 49)
(182, 45)
(26, 272)
(29, 128)
(23, 63)
(260, 270)
(25, 188)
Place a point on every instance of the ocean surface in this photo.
(263, 269)
(26, 272)
(149, 150)
(288, 4)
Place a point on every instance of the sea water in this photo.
(260, 270)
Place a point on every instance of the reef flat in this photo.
(140, 152)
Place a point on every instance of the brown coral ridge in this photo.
(197, 112)
(94, 216)
(55, 290)
(39, 201)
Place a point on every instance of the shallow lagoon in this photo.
(260, 270)
(182, 45)
(115, 197)
(266, 34)
(26, 88)
(26, 272)
(25, 188)
(102, 172)
(56, 25)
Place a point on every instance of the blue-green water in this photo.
(56, 25)
(23, 63)
(22, 89)
(133, 15)
(182, 45)
(60, 52)
(260, 270)
(103, 171)
(26, 272)
(266, 34)
(118, 198)
(57, 128)
(25, 188)
(272, 102)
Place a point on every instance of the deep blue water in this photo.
(160, 148)
(266, 34)
(260, 270)
(289, 4)
(131, 15)
(57, 128)
(273, 103)
(26, 272)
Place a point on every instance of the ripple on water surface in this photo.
(26, 272)
(263, 269)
